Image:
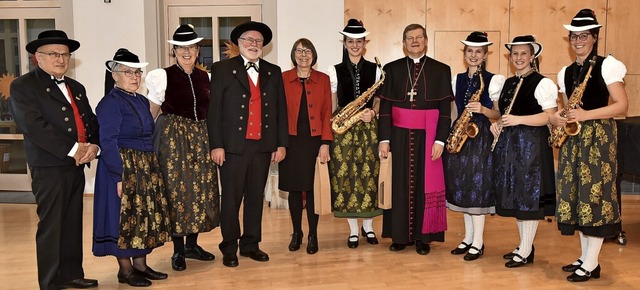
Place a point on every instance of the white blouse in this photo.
(613, 71)
(495, 86)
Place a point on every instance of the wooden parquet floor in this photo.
(337, 267)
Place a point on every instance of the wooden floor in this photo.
(337, 267)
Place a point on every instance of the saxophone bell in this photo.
(472, 130)
(573, 129)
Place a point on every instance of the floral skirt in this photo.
(190, 176)
(353, 170)
(587, 168)
(144, 219)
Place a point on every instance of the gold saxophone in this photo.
(351, 114)
(559, 134)
(464, 128)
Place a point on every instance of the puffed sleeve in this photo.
(562, 89)
(547, 94)
(378, 75)
(613, 70)
(156, 82)
(453, 84)
(495, 87)
(333, 78)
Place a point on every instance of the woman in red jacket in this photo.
(309, 109)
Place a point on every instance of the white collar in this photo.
(246, 61)
(416, 60)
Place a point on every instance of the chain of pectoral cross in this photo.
(412, 93)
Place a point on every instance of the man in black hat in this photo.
(247, 127)
(60, 137)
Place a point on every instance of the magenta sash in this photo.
(435, 214)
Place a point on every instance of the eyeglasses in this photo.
(417, 38)
(303, 51)
(186, 47)
(252, 40)
(582, 36)
(130, 73)
(56, 55)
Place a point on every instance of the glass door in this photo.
(214, 23)
(17, 28)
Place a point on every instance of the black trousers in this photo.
(243, 177)
(58, 192)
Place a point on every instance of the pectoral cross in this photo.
(411, 94)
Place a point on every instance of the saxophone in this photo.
(464, 128)
(351, 114)
(559, 134)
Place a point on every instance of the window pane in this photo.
(9, 58)
(203, 27)
(226, 25)
(34, 27)
(12, 156)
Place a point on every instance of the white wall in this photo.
(319, 21)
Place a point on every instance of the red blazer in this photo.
(318, 100)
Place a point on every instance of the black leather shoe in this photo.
(470, 257)
(256, 255)
(371, 240)
(312, 245)
(198, 253)
(523, 261)
(422, 248)
(80, 283)
(572, 267)
(152, 275)
(296, 240)
(134, 279)
(460, 251)
(230, 260)
(510, 255)
(178, 263)
(595, 274)
(397, 247)
(354, 244)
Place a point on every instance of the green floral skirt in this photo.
(586, 181)
(354, 169)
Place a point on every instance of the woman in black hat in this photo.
(181, 91)
(523, 181)
(587, 165)
(354, 166)
(468, 173)
(131, 216)
(308, 96)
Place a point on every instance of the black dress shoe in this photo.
(256, 255)
(178, 263)
(470, 257)
(397, 247)
(198, 253)
(595, 274)
(296, 240)
(354, 244)
(230, 260)
(510, 255)
(152, 275)
(371, 240)
(523, 261)
(422, 248)
(460, 251)
(572, 267)
(80, 283)
(134, 279)
(312, 245)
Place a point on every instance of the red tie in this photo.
(82, 134)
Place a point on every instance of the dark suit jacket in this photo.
(229, 106)
(46, 118)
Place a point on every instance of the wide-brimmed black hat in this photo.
(252, 25)
(354, 29)
(185, 35)
(477, 38)
(52, 37)
(125, 57)
(584, 20)
(526, 39)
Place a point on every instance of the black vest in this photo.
(346, 83)
(526, 103)
(596, 94)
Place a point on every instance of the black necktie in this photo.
(58, 81)
(252, 65)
